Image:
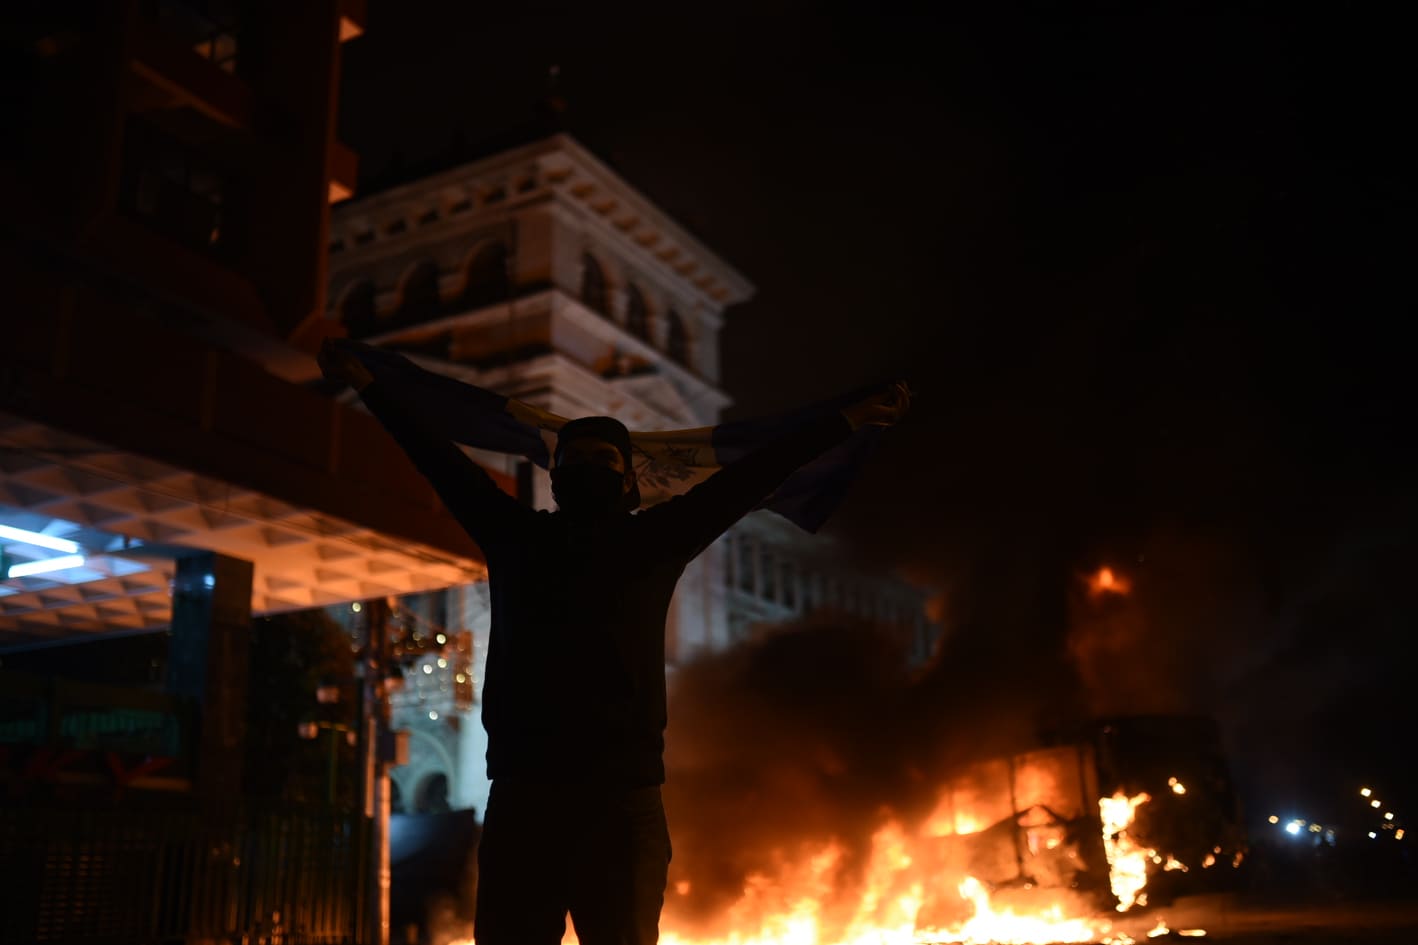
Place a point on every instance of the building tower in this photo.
(541, 274)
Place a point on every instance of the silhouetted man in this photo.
(574, 695)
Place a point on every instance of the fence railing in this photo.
(246, 877)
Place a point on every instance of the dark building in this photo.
(168, 472)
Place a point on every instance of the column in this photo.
(208, 662)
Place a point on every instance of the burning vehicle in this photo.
(1086, 838)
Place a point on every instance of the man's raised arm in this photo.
(692, 521)
(484, 511)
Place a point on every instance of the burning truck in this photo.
(1135, 810)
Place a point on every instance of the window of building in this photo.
(419, 296)
(593, 284)
(769, 572)
(746, 568)
(207, 27)
(431, 796)
(485, 281)
(172, 188)
(357, 309)
(637, 313)
(676, 338)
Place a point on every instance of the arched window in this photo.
(637, 313)
(593, 284)
(485, 279)
(677, 338)
(357, 309)
(419, 297)
(431, 796)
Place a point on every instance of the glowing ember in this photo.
(1127, 860)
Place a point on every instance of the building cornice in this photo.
(577, 178)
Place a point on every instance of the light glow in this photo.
(1375, 804)
(28, 537)
(62, 563)
(1365, 792)
(1107, 581)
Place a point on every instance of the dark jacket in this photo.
(575, 681)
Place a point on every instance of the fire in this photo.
(1107, 581)
(1127, 860)
(907, 888)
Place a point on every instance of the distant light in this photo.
(441, 639)
(1388, 815)
(210, 580)
(442, 663)
(1177, 786)
(1372, 835)
(1398, 834)
(62, 563)
(35, 538)
(356, 606)
(1365, 792)
(433, 715)
(461, 678)
(327, 694)
(1293, 828)
(307, 729)
(427, 669)
(1315, 828)
(1375, 804)
(1274, 819)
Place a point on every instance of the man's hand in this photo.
(338, 364)
(883, 409)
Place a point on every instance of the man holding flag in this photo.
(574, 695)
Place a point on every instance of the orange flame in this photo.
(1107, 581)
(904, 885)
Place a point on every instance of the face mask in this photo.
(581, 488)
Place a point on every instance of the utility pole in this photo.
(379, 752)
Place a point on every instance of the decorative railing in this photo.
(259, 877)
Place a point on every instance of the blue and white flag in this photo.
(667, 462)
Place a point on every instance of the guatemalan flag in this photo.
(667, 462)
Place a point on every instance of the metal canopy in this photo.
(130, 514)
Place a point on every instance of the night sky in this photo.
(1147, 271)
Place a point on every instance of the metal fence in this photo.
(245, 877)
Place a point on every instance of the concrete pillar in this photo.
(208, 662)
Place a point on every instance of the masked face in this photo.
(587, 488)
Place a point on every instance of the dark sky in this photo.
(1146, 266)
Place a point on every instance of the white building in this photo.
(539, 273)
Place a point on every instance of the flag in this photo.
(667, 462)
